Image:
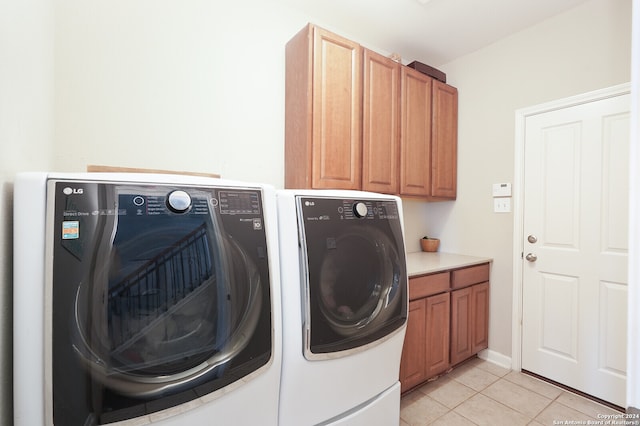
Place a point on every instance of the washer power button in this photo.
(179, 201)
(360, 209)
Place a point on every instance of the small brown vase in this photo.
(430, 244)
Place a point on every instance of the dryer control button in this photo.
(179, 201)
(360, 209)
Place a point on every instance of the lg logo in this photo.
(69, 191)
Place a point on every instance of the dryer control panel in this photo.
(319, 209)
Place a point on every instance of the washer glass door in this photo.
(356, 292)
(160, 295)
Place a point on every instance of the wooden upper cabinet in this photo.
(415, 133)
(355, 119)
(323, 102)
(380, 123)
(444, 141)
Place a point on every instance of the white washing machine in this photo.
(345, 299)
(145, 299)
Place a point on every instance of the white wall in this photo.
(26, 138)
(584, 49)
(194, 85)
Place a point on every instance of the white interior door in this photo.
(574, 290)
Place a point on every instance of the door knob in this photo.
(531, 257)
(532, 239)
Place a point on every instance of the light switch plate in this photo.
(502, 190)
(502, 205)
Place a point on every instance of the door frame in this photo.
(518, 199)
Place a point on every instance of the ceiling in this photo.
(435, 32)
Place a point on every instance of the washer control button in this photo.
(179, 201)
(360, 209)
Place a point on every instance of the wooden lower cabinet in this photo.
(413, 363)
(426, 348)
(437, 334)
(460, 325)
(448, 322)
(480, 309)
(469, 321)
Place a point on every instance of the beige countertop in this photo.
(420, 263)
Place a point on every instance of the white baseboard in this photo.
(495, 358)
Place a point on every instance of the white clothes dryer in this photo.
(145, 299)
(345, 299)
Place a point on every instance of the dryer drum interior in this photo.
(153, 303)
(366, 259)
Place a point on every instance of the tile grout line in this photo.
(499, 378)
(452, 410)
(514, 409)
(476, 392)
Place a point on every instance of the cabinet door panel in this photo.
(380, 127)
(337, 106)
(461, 327)
(413, 362)
(415, 134)
(444, 141)
(437, 335)
(298, 109)
(480, 315)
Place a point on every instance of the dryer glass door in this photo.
(160, 294)
(356, 289)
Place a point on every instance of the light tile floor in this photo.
(482, 393)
